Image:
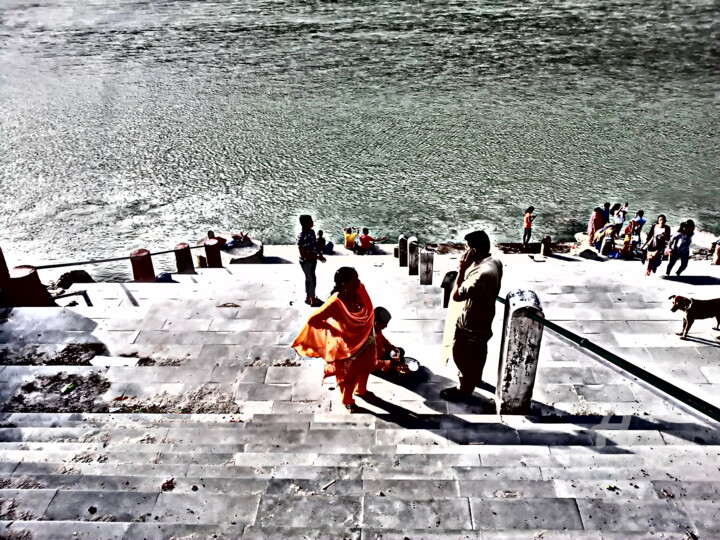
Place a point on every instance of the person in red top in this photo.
(367, 242)
(528, 218)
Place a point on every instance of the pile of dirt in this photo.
(74, 354)
(61, 392)
(207, 399)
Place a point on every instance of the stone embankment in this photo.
(179, 410)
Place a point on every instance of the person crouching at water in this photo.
(528, 218)
(656, 242)
(341, 332)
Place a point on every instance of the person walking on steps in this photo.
(342, 333)
(477, 285)
(309, 256)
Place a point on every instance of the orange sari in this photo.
(348, 346)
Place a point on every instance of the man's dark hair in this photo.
(606, 205)
(305, 219)
(640, 213)
(478, 240)
(365, 230)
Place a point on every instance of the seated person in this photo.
(388, 355)
(324, 247)
(238, 240)
(349, 234)
(367, 242)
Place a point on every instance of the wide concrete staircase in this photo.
(214, 428)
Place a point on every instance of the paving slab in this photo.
(297, 511)
(433, 514)
(508, 514)
(633, 515)
(206, 508)
(105, 505)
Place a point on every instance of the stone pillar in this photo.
(426, 266)
(212, 253)
(142, 266)
(402, 250)
(413, 256)
(447, 285)
(24, 288)
(4, 273)
(183, 259)
(545, 246)
(519, 353)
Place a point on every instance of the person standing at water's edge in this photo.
(528, 219)
(309, 256)
(477, 284)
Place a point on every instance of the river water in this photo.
(128, 124)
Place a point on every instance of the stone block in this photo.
(25, 504)
(432, 514)
(633, 515)
(546, 514)
(206, 508)
(507, 489)
(299, 511)
(163, 531)
(92, 505)
(64, 530)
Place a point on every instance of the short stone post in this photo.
(24, 288)
(413, 256)
(142, 266)
(183, 259)
(519, 353)
(402, 250)
(4, 273)
(212, 253)
(447, 285)
(545, 246)
(426, 266)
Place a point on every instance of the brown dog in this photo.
(695, 309)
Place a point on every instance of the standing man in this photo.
(477, 284)
(309, 256)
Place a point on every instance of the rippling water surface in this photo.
(128, 124)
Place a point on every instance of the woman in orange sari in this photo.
(341, 332)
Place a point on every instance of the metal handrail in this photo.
(113, 259)
(697, 403)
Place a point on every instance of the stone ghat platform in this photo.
(212, 427)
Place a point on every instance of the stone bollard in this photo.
(4, 273)
(447, 285)
(212, 253)
(545, 246)
(426, 267)
(183, 259)
(519, 353)
(413, 256)
(402, 250)
(24, 288)
(142, 266)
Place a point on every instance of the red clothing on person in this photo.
(366, 241)
(348, 349)
(527, 220)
